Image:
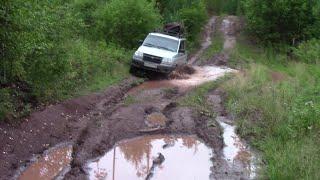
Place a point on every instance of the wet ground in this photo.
(140, 132)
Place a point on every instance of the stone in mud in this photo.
(156, 120)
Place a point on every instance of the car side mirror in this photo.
(140, 42)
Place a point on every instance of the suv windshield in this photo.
(161, 43)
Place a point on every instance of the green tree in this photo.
(193, 18)
(126, 22)
(283, 20)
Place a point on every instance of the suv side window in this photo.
(182, 48)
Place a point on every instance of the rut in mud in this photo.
(143, 131)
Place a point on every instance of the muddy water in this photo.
(202, 75)
(235, 152)
(185, 158)
(52, 164)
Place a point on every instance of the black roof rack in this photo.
(173, 29)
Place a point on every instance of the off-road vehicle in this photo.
(161, 51)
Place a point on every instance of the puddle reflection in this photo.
(185, 158)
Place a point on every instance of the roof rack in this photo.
(173, 29)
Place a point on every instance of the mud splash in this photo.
(235, 152)
(185, 157)
(201, 75)
(54, 163)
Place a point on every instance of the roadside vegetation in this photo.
(276, 103)
(275, 96)
(51, 51)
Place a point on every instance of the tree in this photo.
(282, 20)
(126, 22)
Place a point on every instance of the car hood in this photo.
(157, 52)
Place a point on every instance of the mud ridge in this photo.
(63, 122)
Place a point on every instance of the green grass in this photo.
(197, 98)
(129, 100)
(277, 106)
(102, 81)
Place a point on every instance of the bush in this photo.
(126, 22)
(6, 105)
(308, 52)
(87, 62)
(193, 18)
(31, 37)
(283, 20)
(231, 7)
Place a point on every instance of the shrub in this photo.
(308, 52)
(126, 22)
(6, 106)
(283, 20)
(223, 6)
(193, 18)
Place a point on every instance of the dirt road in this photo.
(91, 126)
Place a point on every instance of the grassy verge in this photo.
(197, 98)
(277, 106)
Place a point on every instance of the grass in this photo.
(129, 100)
(197, 98)
(277, 106)
(100, 82)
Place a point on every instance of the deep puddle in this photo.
(51, 165)
(185, 158)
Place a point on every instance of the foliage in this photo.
(277, 104)
(88, 10)
(126, 22)
(6, 106)
(170, 9)
(27, 43)
(192, 13)
(231, 7)
(308, 52)
(193, 18)
(283, 20)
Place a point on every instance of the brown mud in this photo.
(63, 122)
(95, 124)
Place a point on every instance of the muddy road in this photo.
(135, 131)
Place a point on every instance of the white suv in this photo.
(160, 52)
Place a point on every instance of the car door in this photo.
(182, 53)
